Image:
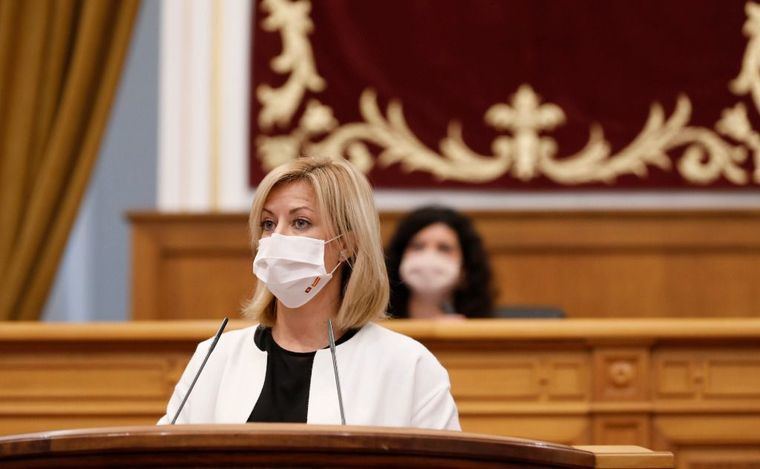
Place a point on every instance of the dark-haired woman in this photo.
(438, 267)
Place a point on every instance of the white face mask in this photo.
(429, 273)
(292, 267)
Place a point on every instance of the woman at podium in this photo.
(321, 276)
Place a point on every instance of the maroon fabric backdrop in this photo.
(600, 61)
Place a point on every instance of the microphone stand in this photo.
(331, 338)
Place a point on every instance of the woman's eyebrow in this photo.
(291, 211)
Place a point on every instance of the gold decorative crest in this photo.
(523, 149)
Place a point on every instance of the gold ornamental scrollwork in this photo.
(292, 21)
(524, 149)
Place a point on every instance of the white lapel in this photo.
(242, 381)
(323, 394)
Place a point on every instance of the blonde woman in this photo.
(315, 232)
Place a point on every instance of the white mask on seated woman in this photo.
(429, 274)
(293, 267)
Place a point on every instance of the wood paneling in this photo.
(689, 374)
(190, 266)
(591, 264)
(689, 386)
(719, 458)
(622, 373)
(621, 429)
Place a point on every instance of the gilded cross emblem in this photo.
(526, 118)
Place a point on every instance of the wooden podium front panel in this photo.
(590, 264)
(689, 386)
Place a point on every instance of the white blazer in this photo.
(387, 379)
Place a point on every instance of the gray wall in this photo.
(92, 283)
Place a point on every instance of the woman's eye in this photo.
(301, 224)
(267, 225)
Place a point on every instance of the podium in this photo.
(300, 445)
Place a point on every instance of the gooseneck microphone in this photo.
(331, 338)
(208, 354)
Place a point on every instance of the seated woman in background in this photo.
(438, 268)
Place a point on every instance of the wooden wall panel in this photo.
(714, 376)
(672, 384)
(622, 373)
(621, 429)
(591, 264)
(132, 378)
(190, 266)
(193, 284)
(719, 458)
(702, 441)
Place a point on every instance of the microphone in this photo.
(208, 354)
(331, 338)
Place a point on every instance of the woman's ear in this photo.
(347, 245)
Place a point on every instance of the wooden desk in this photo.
(688, 386)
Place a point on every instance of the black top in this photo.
(285, 394)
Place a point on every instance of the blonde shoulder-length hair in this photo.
(344, 197)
